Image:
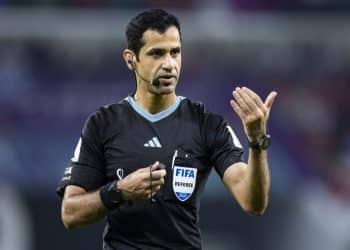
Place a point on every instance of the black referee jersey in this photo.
(120, 138)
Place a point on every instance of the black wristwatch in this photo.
(115, 195)
(262, 143)
(111, 196)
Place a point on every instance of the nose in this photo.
(169, 63)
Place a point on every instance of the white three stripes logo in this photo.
(153, 143)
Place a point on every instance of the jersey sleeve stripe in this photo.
(235, 139)
(75, 158)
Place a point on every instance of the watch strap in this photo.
(105, 195)
(262, 143)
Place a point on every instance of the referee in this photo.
(143, 162)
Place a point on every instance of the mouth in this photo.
(167, 79)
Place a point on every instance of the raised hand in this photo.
(253, 112)
(138, 184)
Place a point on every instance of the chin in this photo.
(163, 90)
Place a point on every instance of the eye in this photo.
(175, 52)
(156, 53)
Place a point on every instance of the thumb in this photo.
(155, 166)
(270, 99)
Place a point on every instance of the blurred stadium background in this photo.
(61, 59)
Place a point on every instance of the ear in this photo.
(129, 56)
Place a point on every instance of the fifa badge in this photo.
(184, 182)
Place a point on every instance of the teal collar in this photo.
(154, 117)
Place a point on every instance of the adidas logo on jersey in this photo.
(153, 143)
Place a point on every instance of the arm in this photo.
(250, 183)
(80, 208)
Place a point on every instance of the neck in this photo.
(154, 103)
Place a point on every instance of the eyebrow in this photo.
(153, 50)
(176, 49)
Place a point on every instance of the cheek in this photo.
(179, 63)
(149, 68)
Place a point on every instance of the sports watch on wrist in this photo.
(262, 143)
(114, 194)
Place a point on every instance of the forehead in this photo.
(169, 39)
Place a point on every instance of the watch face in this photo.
(265, 142)
(262, 144)
(114, 194)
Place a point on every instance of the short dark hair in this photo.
(156, 19)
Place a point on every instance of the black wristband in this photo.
(105, 197)
(262, 143)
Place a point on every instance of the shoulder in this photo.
(109, 111)
(107, 114)
(112, 109)
(207, 118)
(195, 106)
(106, 121)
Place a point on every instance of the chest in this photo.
(137, 143)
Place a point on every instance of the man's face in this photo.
(160, 58)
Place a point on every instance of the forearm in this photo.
(80, 209)
(252, 182)
(257, 181)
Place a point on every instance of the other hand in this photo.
(253, 112)
(139, 186)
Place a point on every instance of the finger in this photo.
(247, 99)
(237, 109)
(154, 192)
(241, 103)
(255, 98)
(156, 188)
(155, 183)
(147, 196)
(270, 99)
(154, 166)
(158, 174)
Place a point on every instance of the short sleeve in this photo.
(86, 167)
(223, 145)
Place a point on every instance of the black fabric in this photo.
(106, 200)
(88, 171)
(222, 149)
(115, 137)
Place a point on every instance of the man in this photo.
(143, 162)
